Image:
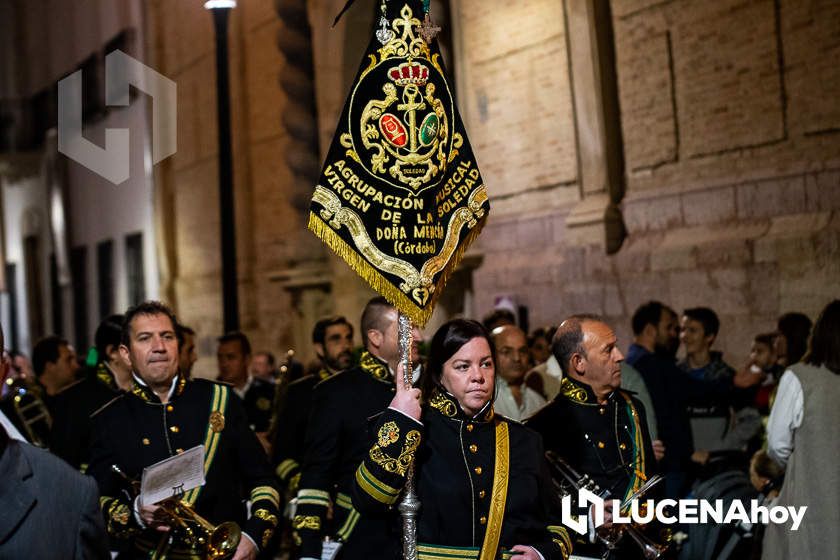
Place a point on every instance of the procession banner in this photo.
(400, 197)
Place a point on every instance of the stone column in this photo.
(600, 154)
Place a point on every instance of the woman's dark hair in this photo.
(795, 327)
(448, 339)
(824, 347)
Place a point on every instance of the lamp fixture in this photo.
(218, 4)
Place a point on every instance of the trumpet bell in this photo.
(223, 540)
(218, 542)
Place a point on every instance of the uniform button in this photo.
(146, 441)
(473, 448)
(483, 520)
(169, 408)
(179, 450)
(469, 427)
(477, 470)
(622, 446)
(600, 445)
(174, 429)
(602, 410)
(482, 494)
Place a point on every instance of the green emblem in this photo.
(429, 129)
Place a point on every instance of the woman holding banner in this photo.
(484, 489)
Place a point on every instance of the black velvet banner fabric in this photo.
(400, 197)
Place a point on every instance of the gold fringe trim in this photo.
(419, 315)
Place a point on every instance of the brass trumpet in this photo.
(650, 549)
(217, 541)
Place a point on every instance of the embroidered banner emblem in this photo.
(400, 197)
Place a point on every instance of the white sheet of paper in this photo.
(175, 475)
(330, 549)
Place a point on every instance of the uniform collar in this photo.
(105, 375)
(445, 403)
(140, 389)
(375, 367)
(578, 392)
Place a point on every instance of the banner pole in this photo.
(409, 504)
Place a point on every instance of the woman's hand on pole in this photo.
(406, 400)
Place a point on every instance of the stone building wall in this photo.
(731, 145)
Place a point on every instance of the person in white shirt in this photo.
(514, 399)
(802, 436)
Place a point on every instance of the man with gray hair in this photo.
(594, 425)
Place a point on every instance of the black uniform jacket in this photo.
(289, 432)
(457, 482)
(337, 439)
(71, 410)
(609, 442)
(136, 430)
(259, 404)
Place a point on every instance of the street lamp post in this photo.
(230, 293)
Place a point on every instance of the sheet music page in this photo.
(330, 549)
(175, 475)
